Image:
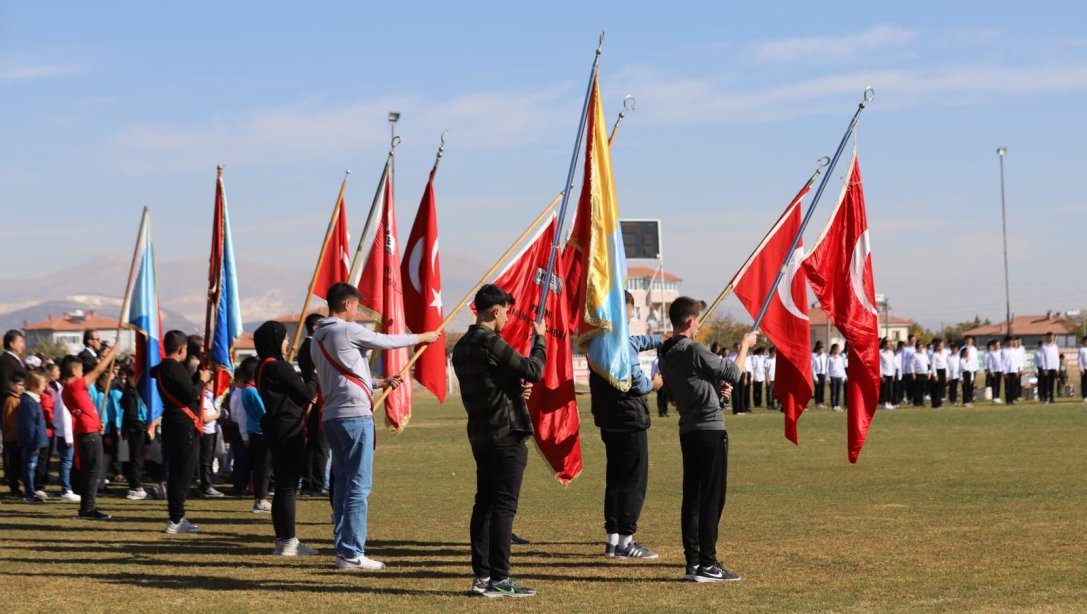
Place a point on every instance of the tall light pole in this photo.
(1000, 151)
(394, 116)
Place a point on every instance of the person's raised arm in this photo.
(104, 362)
(529, 368)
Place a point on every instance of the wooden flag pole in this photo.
(467, 297)
(145, 223)
(317, 269)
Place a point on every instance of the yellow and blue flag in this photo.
(602, 328)
(144, 318)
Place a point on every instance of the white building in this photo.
(653, 290)
(68, 329)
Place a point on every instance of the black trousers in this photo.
(920, 385)
(968, 387)
(288, 457)
(771, 402)
(992, 380)
(181, 449)
(953, 391)
(836, 391)
(260, 458)
(1010, 387)
(316, 458)
(137, 440)
(13, 465)
(937, 388)
(626, 479)
(499, 471)
(41, 472)
(739, 396)
(89, 449)
(756, 393)
(705, 480)
(207, 455)
(1050, 385)
(662, 402)
(886, 384)
(241, 470)
(820, 389)
(110, 445)
(1083, 385)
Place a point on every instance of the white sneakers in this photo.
(136, 495)
(262, 507)
(361, 562)
(293, 547)
(184, 526)
(70, 497)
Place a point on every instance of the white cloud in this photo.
(831, 47)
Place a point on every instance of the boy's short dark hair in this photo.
(629, 297)
(311, 322)
(338, 295)
(66, 365)
(248, 369)
(17, 376)
(490, 295)
(684, 308)
(173, 340)
(11, 336)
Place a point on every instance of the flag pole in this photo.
(214, 287)
(823, 162)
(869, 94)
(486, 276)
(357, 261)
(145, 224)
(569, 182)
(317, 269)
(629, 104)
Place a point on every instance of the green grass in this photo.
(950, 510)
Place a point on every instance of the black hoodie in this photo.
(284, 393)
(694, 374)
(182, 387)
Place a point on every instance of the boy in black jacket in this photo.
(695, 376)
(134, 428)
(181, 428)
(623, 419)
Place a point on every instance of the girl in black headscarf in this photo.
(286, 397)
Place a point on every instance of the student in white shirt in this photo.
(758, 375)
(819, 373)
(912, 383)
(921, 368)
(994, 370)
(1051, 355)
(969, 356)
(208, 443)
(1008, 359)
(770, 367)
(1081, 360)
(836, 374)
(954, 374)
(886, 373)
(899, 388)
(1020, 366)
(939, 359)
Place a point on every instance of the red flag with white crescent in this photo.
(423, 292)
(383, 300)
(840, 273)
(786, 322)
(336, 261)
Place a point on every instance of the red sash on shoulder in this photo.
(185, 408)
(351, 377)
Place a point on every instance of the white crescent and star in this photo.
(785, 288)
(415, 258)
(861, 250)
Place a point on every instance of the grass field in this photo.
(981, 509)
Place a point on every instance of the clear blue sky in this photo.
(106, 107)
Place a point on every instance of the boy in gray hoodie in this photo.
(694, 376)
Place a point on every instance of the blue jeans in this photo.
(30, 467)
(65, 453)
(351, 446)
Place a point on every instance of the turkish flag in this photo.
(423, 292)
(840, 272)
(383, 299)
(786, 322)
(552, 405)
(336, 259)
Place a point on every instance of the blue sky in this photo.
(106, 107)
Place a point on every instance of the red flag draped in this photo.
(336, 261)
(786, 321)
(423, 292)
(383, 299)
(552, 404)
(840, 272)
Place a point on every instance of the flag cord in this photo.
(317, 269)
(145, 223)
(869, 94)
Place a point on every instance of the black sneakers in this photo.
(634, 550)
(507, 588)
(689, 573)
(479, 586)
(518, 541)
(94, 515)
(714, 573)
(609, 550)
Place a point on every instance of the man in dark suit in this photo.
(92, 344)
(11, 360)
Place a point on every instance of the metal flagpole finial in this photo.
(395, 142)
(824, 162)
(600, 44)
(220, 167)
(869, 94)
(630, 103)
(441, 149)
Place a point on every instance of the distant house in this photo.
(822, 329)
(68, 329)
(1031, 329)
(653, 290)
(244, 345)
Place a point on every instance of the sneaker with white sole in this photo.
(634, 550)
(689, 573)
(211, 493)
(70, 497)
(714, 573)
(508, 588)
(360, 562)
(479, 586)
(293, 547)
(136, 495)
(184, 526)
(41, 494)
(609, 550)
(262, 507)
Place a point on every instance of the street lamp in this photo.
(1000, 151)
(394, 116)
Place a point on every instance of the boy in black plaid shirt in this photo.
(491, 375)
